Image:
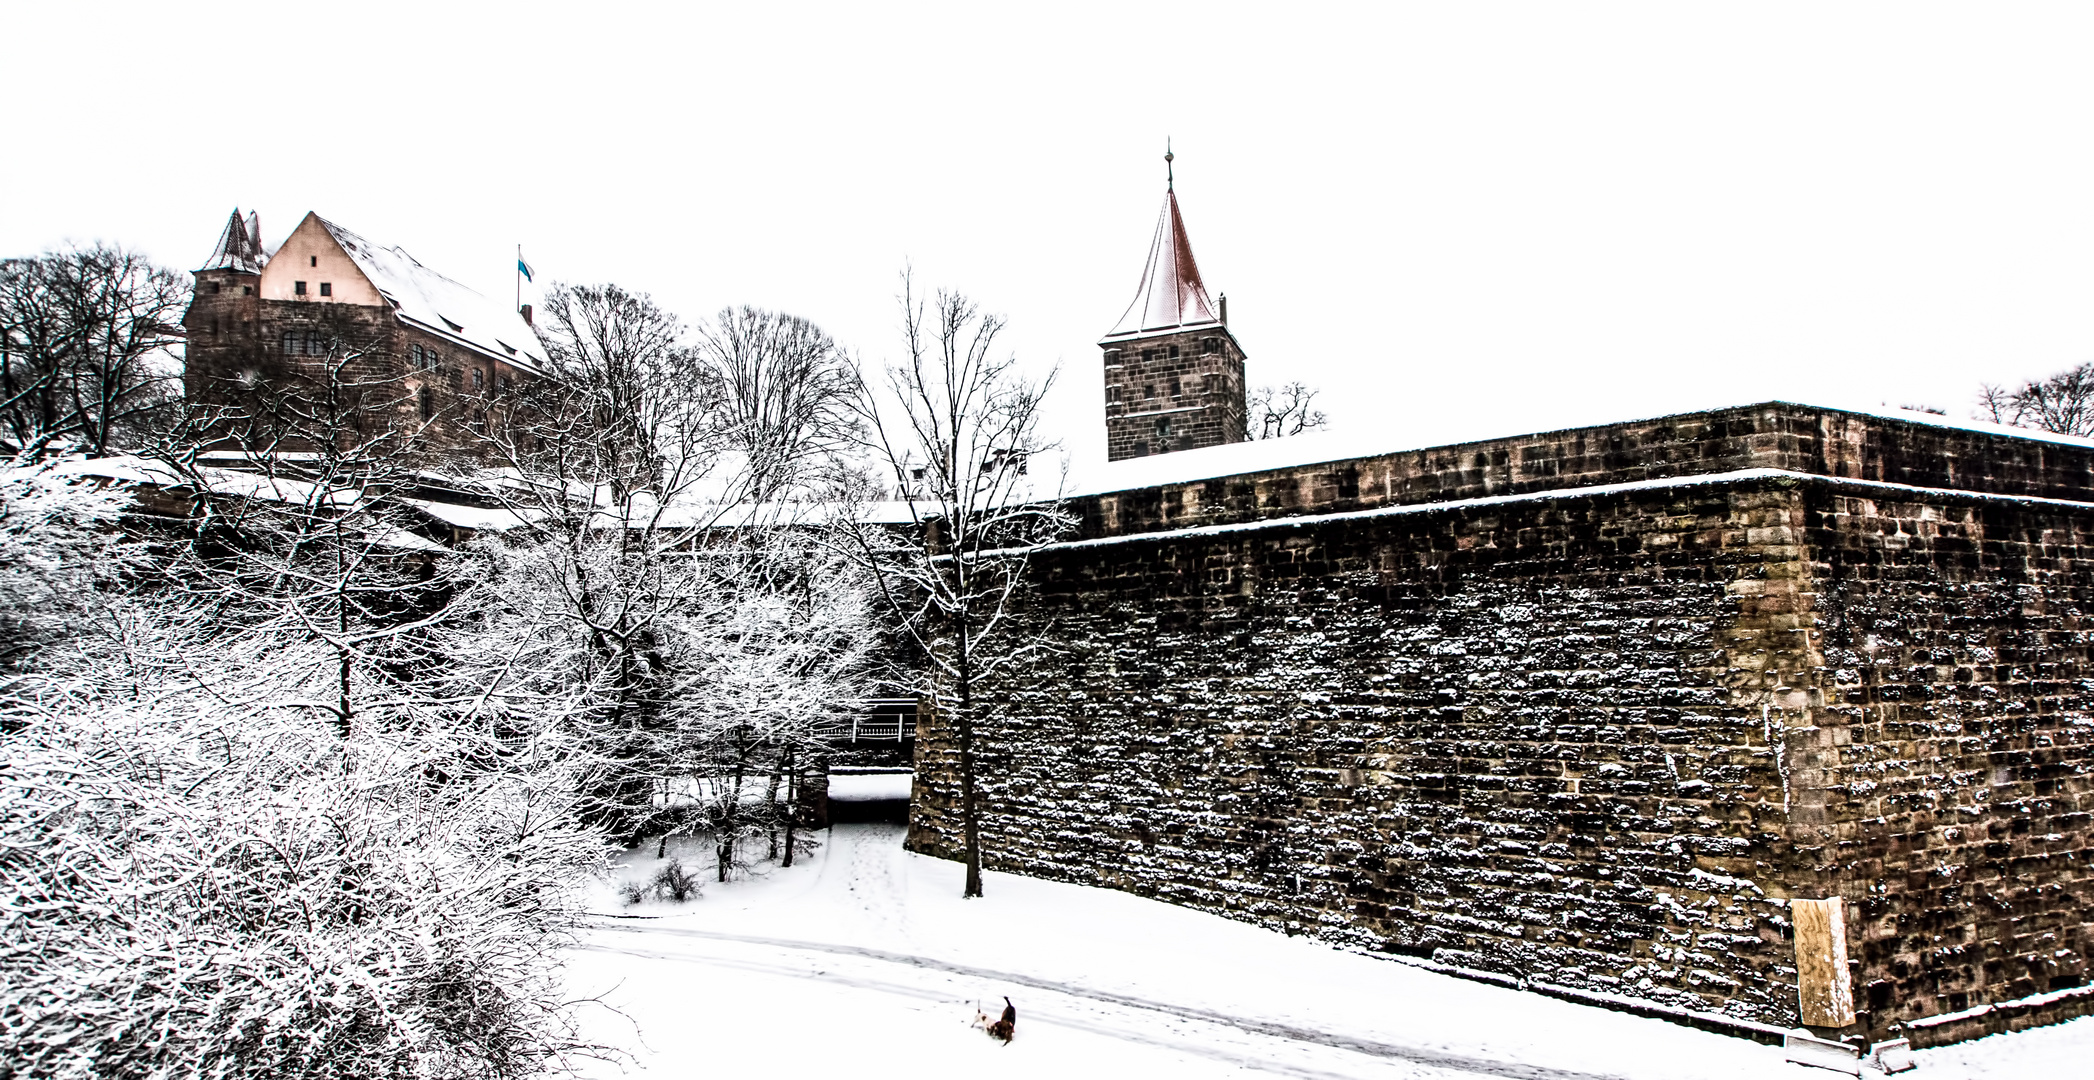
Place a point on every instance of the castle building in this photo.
(1173, 371)
(331, 314)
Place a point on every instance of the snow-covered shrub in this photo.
(56, 548)
(202, 875)
(673, 882)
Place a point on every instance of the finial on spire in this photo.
(1170, 181)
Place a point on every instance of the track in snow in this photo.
(1090, 1019)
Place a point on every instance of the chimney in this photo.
(526, 312)
(1225, 309)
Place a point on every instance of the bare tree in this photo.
(957, 433)
(1282, 411)
(87, 348)
(652, 493)
(301, 537)
(2063, 403)
(784, 387)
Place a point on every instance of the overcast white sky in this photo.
(1459, 220)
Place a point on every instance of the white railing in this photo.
(877, 724)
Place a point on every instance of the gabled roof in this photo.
(1171, 295)
(439, 305)
(239, 246)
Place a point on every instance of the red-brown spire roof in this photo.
(1171, 295)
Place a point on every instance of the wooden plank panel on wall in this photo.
(1824, 990)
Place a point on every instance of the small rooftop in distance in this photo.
(239, 246)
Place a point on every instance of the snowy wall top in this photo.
(1330, 471)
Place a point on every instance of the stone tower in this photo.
(223, 321)
(1173, 372)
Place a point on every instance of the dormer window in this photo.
(298, 288)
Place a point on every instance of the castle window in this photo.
(479, 380)
(427, 401)
(327, 288)
(1207, 345)
(505, 383)
(1177, 389)
(1163, 428)
(246, 290)
(214, 326)
(316, 260)
(414, 352)
(298, 288)
(1112, 393)
(290, 343)
(1174, 352)
(217, 285)
(312, 343)
(1112, 359)
(1148, 391)
(1148, 355)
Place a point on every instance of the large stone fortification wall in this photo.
(1773, 435)
(1594, 739)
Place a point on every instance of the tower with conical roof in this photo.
(1173, 371)
(223, 321)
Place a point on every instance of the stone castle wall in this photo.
(1592, 738)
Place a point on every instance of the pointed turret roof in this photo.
(240, 246)
(1171, 296)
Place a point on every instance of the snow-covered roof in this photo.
(1171, 296)
(239, 246)
(237, 483)
(441, 306)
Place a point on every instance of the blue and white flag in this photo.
(524, 268)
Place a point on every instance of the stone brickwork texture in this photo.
(1169, 392)
(1596, 739)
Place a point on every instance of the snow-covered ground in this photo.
(863, 961)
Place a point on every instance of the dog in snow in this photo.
(1004, 1026)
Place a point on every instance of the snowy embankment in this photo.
(863, 961)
